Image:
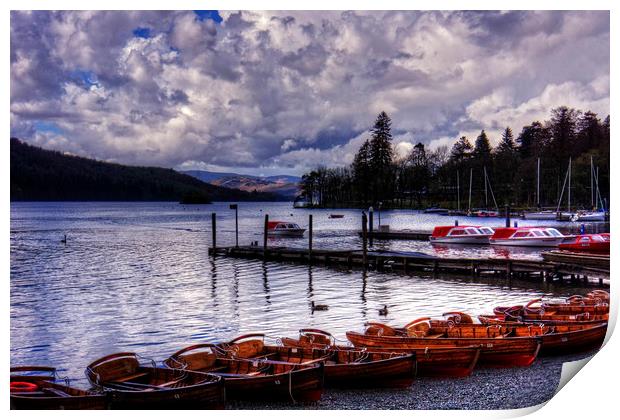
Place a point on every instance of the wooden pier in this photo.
(415, 235)
(406, 262)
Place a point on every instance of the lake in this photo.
(137, 277)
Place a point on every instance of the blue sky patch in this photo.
(86, 78)
(142, 32)
(45, 126)
(208, 14)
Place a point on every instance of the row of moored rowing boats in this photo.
(297, 369)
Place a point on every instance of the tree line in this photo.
(44, 175)
(505, 174)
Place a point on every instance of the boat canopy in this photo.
(282, 225)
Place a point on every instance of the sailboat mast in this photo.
(470, 178)
(598, 193)
(486, 197)
(569, 176)
(591, 182)
(538, 184)
(458, 192)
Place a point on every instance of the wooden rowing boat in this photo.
(350, 368)
(500, 346)
(546, 318)
(38, 391)
(131, 385)
(561, 337)
(571, 306)
(431, 361)
(253, 379)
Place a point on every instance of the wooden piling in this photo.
(310, 238)
(265, 234)
(213, 232)
(364, 240)
(370, 225)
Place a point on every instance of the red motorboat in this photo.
(527, 236)
(593, 243)
(461, 235)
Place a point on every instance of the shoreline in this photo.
(485, 389)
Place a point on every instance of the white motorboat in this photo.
(461, 235)
(589, 216)
(527, 236)
(277, 228)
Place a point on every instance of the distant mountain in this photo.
(284, 185)
(44, 175)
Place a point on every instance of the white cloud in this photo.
(290, 90)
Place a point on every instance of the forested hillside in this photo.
(41, 175)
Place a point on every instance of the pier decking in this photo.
(574, 270)
(416, 235)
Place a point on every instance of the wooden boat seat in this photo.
(442, 335)
(131, 377)
(170, 383)
(218, 369)
(57, 392)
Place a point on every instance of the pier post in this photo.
(507, 216)
(364, 239)
(265, 236)
(213, 234)
(370, 224)
(310, 238)
(235, 207)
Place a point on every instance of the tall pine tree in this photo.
(381, 156)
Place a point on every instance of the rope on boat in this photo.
(290, 385)
(146, 358)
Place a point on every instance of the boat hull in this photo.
(533, 242)
(395, 372)
(211, 395)
(303, 385)
(591, 247)
(584, 337)
(494, 352)
(540, 216)
(75, 399)
(288, 232)
(447, 362)
(471, 239)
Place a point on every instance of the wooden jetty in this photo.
(577, 259)
(416, 235)
(419, 262)
(581, 270)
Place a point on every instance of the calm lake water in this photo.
(137, 277)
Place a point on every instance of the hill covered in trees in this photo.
(427, 178)
(44, 175)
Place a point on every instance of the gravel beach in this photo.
(485, 389)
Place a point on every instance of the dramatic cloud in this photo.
(281, 92)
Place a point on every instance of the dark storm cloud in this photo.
(271, 90)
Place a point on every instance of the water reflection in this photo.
(266, 285)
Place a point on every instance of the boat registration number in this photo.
(490, 345)
(564, 339)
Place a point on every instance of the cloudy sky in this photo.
(281, 92)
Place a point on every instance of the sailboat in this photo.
(487, 187)
(458, 211)
(565, 215)
(594, 215)
(540, 214)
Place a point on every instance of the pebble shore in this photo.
(485, 389)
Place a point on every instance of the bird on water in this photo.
(383, 311)
(319, 307)
(64, 240)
